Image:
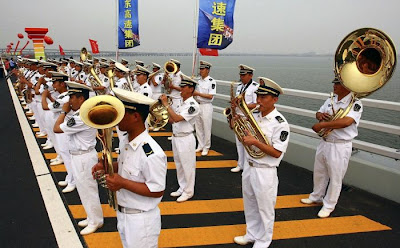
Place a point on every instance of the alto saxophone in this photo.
(240, 124)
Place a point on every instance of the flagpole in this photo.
(116, 29)
(194, 54)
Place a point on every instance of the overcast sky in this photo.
(261, 26)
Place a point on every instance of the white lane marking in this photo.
(63, 228)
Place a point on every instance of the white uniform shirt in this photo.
(145, 90)
(56, 106)
(206, 86)
(157, 78)
(105, 82)
(80, 136)
(250, 96)
(122, 83)
(276, 130)
(141, 160)
(176, 80)
(350, 132)
(74, 73)
(189, 111)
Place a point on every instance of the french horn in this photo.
(103, 113)
(364, 62)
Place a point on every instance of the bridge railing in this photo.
(358, 144)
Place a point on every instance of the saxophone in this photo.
(240, 124)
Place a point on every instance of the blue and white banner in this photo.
(128, 24)
(215, 28)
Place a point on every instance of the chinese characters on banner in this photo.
(128, 24)
(215, 28)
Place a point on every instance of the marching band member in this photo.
(120, 72)
(79, 76)
(104, 79)
(183, 141)
(54, 105)
(204, 94)
(248, 87)
(141, 178)
(155, 82)
(81, 143)
(37, 81)
(72, 73)
(125, 62)
(333, 152)
(259, 178)
(142, 75)
(47, 89)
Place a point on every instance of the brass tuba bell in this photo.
(169, 67)
(104, 112)
(364, 62)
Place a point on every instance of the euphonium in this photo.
(364, 62)
(85, 55)
(95, 81)
(158, 116)
(247, 122)
(104, 112)
(169, 67)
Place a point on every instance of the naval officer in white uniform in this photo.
(333, 152)
(141, 178)
(259, 178)
(248, 88)
(204, 95)
(82, 142)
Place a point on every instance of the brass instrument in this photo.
(104, 112)
(169, 67)
(96, 82)
(110, 75)
(247, 122)
(158, 116)
(85, 55)
(364, 62)
(230, 112)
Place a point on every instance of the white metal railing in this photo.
(371, 125)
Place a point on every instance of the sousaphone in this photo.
(364, 62)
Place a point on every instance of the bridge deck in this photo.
(210, 219)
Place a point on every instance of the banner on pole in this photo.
(61, 50)
(94, 45)
(215, 29)
(128, 24)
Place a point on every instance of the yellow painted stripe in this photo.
(115, 155)
(201, 206)
(41, 137)
(171, 165)
(28, 114)
(36, 129)
(213, 235)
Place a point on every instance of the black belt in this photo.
(129, 210)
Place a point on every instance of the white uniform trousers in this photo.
(241, 153)
(260, 189)
(39, 116)
(62, 144)
(203, 126)
(330, 166)
(87, 186)
(49, 122)
(185, 162)
(139, 230)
